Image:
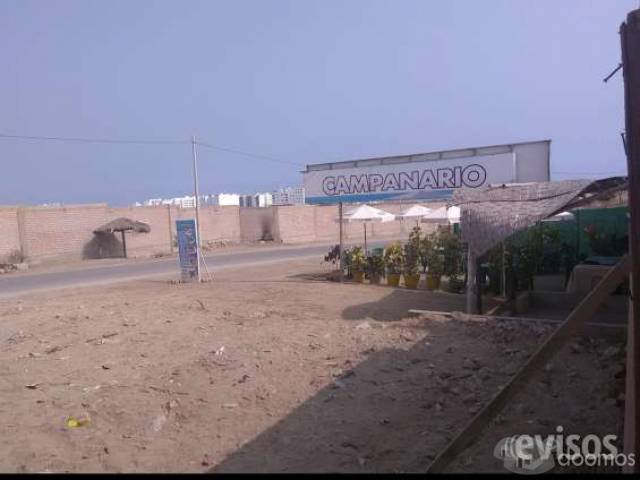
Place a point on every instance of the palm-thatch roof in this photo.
(123, 224)
(491, 214)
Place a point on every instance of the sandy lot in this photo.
(269, 369)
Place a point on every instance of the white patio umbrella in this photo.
(366, 214)
(443, 215)
(413, 212)
(560, 217)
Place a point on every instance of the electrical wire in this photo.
(93, 140)
(144, 142)
(617, 174)
(247, 154)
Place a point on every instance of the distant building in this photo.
(289, 196)
(263, 199)
(217, 199)
(223, 199)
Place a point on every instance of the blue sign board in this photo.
(187, 249)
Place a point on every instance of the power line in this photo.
(247, 154)
(590, 173)
(143, 142)
(93, 140)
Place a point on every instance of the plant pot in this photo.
(411, 280)
(375, 279)
(358, 277)
(433, 281)
(393, 279)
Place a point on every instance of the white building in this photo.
(289, 196)
(263, 199)
(223, 199)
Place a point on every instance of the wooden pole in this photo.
(341, 243)
(578, 316)
(365, 237)
(630, 43)
(124, 244)
(471, 281)
(196, 195)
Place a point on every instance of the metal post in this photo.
(630, 40)
(341, 242)
(196, 194)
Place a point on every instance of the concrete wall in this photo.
(67, 232)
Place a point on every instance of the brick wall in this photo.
(257, 223)
(68, 231)
(9, 234)
(308, 223)
(60, 231)
(158, 240)
(216, 223)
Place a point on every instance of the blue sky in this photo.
(300, 80)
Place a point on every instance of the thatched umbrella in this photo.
(122, 225)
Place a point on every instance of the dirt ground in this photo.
(269, 369)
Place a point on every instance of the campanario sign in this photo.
(429, 179)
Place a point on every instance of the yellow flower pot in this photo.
(433, 282)
(393, 279)
(411, 280)
(358, 277)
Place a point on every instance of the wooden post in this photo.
(341, 242)
(630, 42)
(471, 281)
(365, 237)
(478, 288)
(124, 244)
(22, 237)
(578, 316)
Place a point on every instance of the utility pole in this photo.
(630, 39)
(341, 243)
(196, 194)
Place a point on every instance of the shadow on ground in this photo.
(395, 306)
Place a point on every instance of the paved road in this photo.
(15, 284)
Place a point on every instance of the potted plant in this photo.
(394, 261)
(451, 253)
(434, 260)
(375, 268)
(358, 263)
(412, 259)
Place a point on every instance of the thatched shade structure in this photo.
(491, 214)
(123, 225)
